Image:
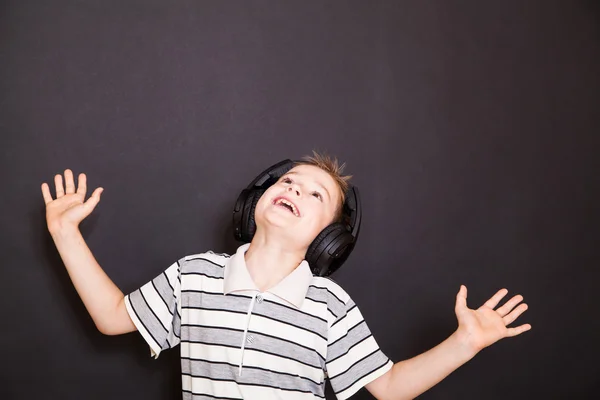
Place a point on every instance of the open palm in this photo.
(484, 326)
(69, 207)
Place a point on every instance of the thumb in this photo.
(461, 298)
(93, 201)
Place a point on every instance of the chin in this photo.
(281, 230)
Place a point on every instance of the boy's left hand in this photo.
(482, 327)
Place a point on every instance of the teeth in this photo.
(284, 201)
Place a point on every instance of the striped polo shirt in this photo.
(240, 343)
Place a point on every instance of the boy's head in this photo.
(304, 201)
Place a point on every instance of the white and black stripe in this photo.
(288, 351)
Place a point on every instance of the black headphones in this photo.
(331, 247)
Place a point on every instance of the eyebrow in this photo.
(316, 182)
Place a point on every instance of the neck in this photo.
(270, 260)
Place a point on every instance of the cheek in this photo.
(260, 206)
(261, 201)
(322, 218)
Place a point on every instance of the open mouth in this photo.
(288, 205)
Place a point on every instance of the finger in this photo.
(46, 193)
(518, 330)
(92, 202)
(510, 318)
(58, 184)
(82, 185)
(509, 305)
(461, 298)
(69, 183)
(494, 300)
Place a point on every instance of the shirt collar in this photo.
(292, 288)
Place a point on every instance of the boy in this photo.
(258, 324)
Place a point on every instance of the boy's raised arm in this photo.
(477, 329)
(102, 298)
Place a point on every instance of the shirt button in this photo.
(250, 339)
(259, 298)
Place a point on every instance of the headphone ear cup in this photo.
(248, 222)
(238, 215)
(320, 252)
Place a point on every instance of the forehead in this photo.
(317, 176)
(314, 173)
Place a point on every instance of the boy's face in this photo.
(302, 203)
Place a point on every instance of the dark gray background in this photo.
(469, 126)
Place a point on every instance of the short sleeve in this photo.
(353, 356)
(155, 309)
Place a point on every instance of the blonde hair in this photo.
(335, 170)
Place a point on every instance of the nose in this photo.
(294, 190)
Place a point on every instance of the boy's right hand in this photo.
(69, 208)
